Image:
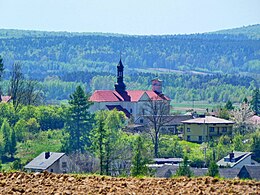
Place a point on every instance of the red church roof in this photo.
(133, 96)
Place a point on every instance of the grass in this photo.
(44, 141)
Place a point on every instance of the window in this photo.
(200, 138)
(188, 138)
(64, 164)
(131, 110)
(141, 121)
(51, 170)
(211, 129)
(224, 129)
(188, 129)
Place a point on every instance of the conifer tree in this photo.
(139, 161)
(5, 130)
(79, 122)
(213, 169)
(12, 148)
(255, 103)
(184, 169)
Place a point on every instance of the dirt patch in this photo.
(47, 183)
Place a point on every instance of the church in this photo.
(131, 102)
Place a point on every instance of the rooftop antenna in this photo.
(120, 55)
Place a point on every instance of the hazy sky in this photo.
(129, 16)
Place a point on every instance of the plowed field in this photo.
(47, 183)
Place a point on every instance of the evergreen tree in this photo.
(1, 67)
(255, 103)
(139, 161)
(229, 105)
(12, 144)
(213, 169)
(79, 122)
(184, 169)
(6, 130)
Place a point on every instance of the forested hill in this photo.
(43, 52)
(252, 31)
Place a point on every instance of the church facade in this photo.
(132, 102)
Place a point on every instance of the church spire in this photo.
(120, 85)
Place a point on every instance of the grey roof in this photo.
(41, 163)
(252, 170)
(167, 160)
(228, 173)
(224, 162)
(208, 120)
(169, 170)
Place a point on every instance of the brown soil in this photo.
(47, 183)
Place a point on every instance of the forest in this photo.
(213, 67)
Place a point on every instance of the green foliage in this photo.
(184, 169)
(255, 145)
(32, 125)
(170, 147)
(8, 139)
(237, 143)
(223, 113)
(50, 117)
(229, 105)
(140, 159)
(109, 143)
(79, 122)
(213, 169)
(255, 103)
(1, 68)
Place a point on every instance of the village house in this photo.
(203, 129)
(49, 161)
(5, 99)
(132, 102)
(237, 160)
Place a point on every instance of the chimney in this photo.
(47, 155)
(231, 156)
(157, 85)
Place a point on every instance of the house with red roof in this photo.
(5, 99)
(131, 102)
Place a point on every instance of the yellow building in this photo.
(203, 129)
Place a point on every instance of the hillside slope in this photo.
(54, 51)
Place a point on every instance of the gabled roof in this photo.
(169, 170)
(119, 108)
(252, 170)
(208, 120)
(238, 157)
(5, 99)
(41, 163)
(130, 95)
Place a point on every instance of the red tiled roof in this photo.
(131, 95)
(5, 99)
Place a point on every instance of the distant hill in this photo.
(252, 31)
(43, 53)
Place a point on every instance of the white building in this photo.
(131, 102)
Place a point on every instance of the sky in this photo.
(138, 17)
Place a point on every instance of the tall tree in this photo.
(184, 169)
(241, 118)
(255, 103)
(140, 160)
(17, 85)
(1, 74)
(108, 141)
(79, 122)
(157, 115)
(98, 138)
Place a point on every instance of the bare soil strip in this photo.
(48, 183)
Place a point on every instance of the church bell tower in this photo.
(120, 85)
